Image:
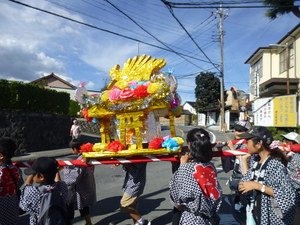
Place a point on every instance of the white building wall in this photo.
(187, 106)
(72, 92)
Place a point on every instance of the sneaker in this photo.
(146, 222)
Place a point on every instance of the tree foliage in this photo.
(207, 91)
(280, 7)
(74, 108)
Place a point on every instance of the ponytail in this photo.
(276, 153)
(200, 145)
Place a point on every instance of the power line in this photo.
(93, 17)
(195, 33)
(150, 33)
(102, 29)
(224, 4)
(156, 24)
(172, 13)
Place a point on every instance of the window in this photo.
(256, 75)
(282, 61)
(282, 58)
(292, 55)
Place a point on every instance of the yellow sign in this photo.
(285, 112)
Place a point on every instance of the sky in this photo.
(35, 43)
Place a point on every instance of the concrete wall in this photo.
(35, 131)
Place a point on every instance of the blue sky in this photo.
(34, 43)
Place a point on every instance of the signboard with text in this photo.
(278, 111)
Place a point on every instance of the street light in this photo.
(287, 61)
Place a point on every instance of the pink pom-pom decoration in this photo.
(114, 95)
(127, 93)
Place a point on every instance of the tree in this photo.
(207, 91)
(74, 108)
(280, 7)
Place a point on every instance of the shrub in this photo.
(74, 108)
(277, 131)
(17, 96)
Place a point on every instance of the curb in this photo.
(28, 157)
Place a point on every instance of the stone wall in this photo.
(89, 127)
(35, 131)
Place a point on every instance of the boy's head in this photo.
(291, 138)
(44, 166)
(75, 145)
(75, 122)
(241, 127)
(7, 148)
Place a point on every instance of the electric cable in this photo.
(102, 29)
(172, 13)
(149, 33)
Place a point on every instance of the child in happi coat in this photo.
(81, 186)
(238, 201)
(271, 196)
(10, 182)
(44, 172)
(134, 184)
(194, 188)
(293, 166)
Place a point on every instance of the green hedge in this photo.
(277, 131)
(74, 108)
(18, 96)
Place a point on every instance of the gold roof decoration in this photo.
(137, 68)
(139, 85)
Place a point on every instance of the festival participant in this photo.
(10, 182)
(134, 184)
(44, 172)
(266, 181)
(75, 131)
(238, 202)
(81, 186)
(293, 138)
(175, 165)
(194, 188)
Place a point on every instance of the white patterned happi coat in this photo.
(275, 176)
(195, 186)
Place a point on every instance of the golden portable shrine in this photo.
(129, 110)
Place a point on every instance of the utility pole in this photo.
(138, 48)
(221, 33)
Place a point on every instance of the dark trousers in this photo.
(83, 212)
(176, 216)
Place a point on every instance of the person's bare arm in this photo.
(57, 177)
(246, 186)
(244, 163)
(29, 179)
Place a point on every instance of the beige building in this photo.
(275, 70)
(52, 81)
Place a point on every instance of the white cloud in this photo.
(24, 62)
(90, 85)
(27, 39)
(105, 54)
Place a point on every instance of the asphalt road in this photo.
(154, 203)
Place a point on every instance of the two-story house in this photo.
(53, 81)
(275, 82)
(275, 69)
